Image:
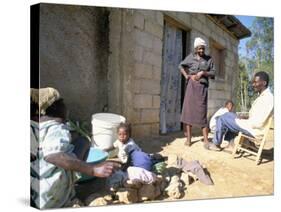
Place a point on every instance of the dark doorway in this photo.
(172, 83)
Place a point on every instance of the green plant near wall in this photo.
(80, 128)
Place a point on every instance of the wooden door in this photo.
(170, 106)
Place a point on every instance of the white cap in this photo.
(199, 42)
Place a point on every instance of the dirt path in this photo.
(232, 177)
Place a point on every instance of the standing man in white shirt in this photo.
(262, 108)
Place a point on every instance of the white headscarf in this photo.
(199, 42)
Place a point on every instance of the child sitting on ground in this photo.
(125, 143)
(130, 154)
(138, 166)
(228, 107)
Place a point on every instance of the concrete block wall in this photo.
(135, 91)
(121, 63)
(119, 66)
(134, 67)
(200, 25)
(148, 35)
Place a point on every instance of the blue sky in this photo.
(246, 21)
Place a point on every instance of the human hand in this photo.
(194, 77)
(105, 169)
(242, 115)
(200, 74)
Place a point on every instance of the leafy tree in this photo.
(260, 57)
(242, 87)
(260, 49)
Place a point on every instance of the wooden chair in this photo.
(255, 146)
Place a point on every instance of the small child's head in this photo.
(229, 105)
(124, 132)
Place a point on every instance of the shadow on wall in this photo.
(74, 50)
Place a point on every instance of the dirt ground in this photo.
(232, 177)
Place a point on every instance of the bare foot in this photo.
(187, 142)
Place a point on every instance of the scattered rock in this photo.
(164, 184)
(192, 176)
(175, 188)
(97, 199)
(108, 198)
(132, 184)
(75, 203)
(98, 202)
(116, 202)
(76, 206)
(127, 195)
(92, 197)
(157, 190)
(186, 178)
(147, 192)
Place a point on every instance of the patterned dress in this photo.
(51, 186)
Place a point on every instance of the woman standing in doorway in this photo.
(197, 68)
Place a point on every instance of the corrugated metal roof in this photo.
(232, 25)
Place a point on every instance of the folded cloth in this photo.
(137, 174)
(44, 97)
(195, 168)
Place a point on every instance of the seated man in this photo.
(229, 125)
(54, 159)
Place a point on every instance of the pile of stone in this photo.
(172, 183)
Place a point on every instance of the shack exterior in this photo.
(125, 61)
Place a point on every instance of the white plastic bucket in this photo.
(104, 127)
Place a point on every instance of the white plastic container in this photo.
(104, 127)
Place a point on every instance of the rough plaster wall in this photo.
(74, 55)
(121, 62)
(115, 78)
(128, 47)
